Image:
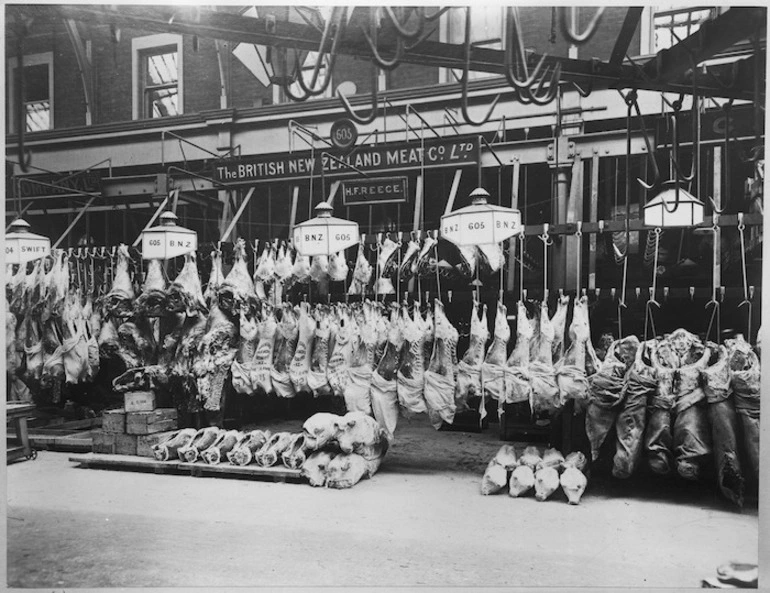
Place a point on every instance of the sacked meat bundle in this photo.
(177, 440)
(546, 483)
(184, 294)
(440, 375)
(236, 293)
(216, 352)
(658, 439)
(530, 457)
(119, 301)
(285, 345)
(516, 378)
(384, 390)
(243, 364)
(493, 367)
(245, 449)
(317, 379)
(299, 367)
(225, 443)
(744, 365)
(271, 451)
(262, 363)
(343, 329)
(544, 397)
(362, 435)
(362, 273)
(469, 367)
(316, 466)
(411, 371)
(347, 469)
(152, 301)
(571, 368)
(607, 392)
(573, 483)
(551, 458)
(495, 477)
(202, 440)
(724, 424)
(640, 385)
(357, 391)
(295, 454)
(522, 481)
(321, 430)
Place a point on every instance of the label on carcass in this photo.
(263, 360)
(299, 367)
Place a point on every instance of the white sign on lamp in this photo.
(480, 223)
(167, 240)
(667, 210)
(22, 246)
(324, 234)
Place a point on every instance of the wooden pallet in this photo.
(66, 441)
(223, 470)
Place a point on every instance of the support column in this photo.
(574, 214)
(558, 255)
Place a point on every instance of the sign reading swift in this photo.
(439, 152)
(382, 190)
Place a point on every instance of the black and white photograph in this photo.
(360, 296)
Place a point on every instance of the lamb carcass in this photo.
(746, 384)
(225, 443)
(300, 272)
(168, 449)
(202, 440)
(263, 357)
(338, 267)
(53, 364)
(317, 379)
(119, 301)
(295, 454)
(493, 367)
(184, 294)
(216, 352)
(491, 257)
(264, 274)
(384, 390)
(469, 367)
(559, 323)
(343, 329)
(411, 369)
(216, 278)
(517, 388)
(243, 363)
(357, 391)
(544, 397)
(361, 434)
(299, 367)
(15, 290)
(236, 293)
(271, 451)
(152, 301)
(386, 259)
(244, 451)
(285, 346)
(440, 375)
(571, 368)
(412, 251)
(362, 272)
(422, 264)
(319, 268)
(57, 286)
(108, 341)
(12, 358)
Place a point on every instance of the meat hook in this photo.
(372, 41)
(630, 100)
(464, 79)
(370, 117)
(570, 34)
(515, 55)
(399, 26)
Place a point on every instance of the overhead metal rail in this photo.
(665, 72)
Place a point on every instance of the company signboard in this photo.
(381, 190)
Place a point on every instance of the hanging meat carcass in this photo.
(517, 387)
(607, 391)
(723, 419)
(386, 265)
(338, 267)
(658, 439)
(15, 290)
(745, 370)
(57, 286)
(299, 367)
(37, 288)
(319, 268)
(441, 372)
(216, 352)
(264, 273)
(12, 358)
(152, 301)
(469, 367)
(108, 339)
(284, 267)
(184, 294)
(53, 364)
(287, 337)
(424, 263)
(571, 369)
(362, 273)
(542, 376)
(263, 358)
(493, 367)
(559, 323)
(357, 391)
(237, 291)
(384, 390)
(74, 341)
(216, 278)
(136, 343)
(338, 371)
(119, 301)
(411, 370)
(317, 379)
(490, 257)
(640, 385)
(300, 272)
(243, 364)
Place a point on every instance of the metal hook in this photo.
(572, 36)
(539, 98)
(372, 41)
(675, 153)
(515, 56)
(363, 119)
(464, 79)
(630, 100)
(399, 26)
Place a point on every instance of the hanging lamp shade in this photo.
(324, 234)
(480, 223)
(666, 211)
(22, 245)
(168, 240)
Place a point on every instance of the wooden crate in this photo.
(145, 442)
(114, 421)
(104, 442)
(139, 401)
(125, 444)
(159, 420)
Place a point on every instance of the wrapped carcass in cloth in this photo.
(168, 449)
(216, 352)
(202, 440)
(262, 363)
(498, 470)
(571, 368)
(338, 267)
(493, 367)
(384, 390)
(607, 391)
(296, 453)
(225, 443)
(523, 476)
(640, 386)
(744, 365)
(440, 375)
(245, 449)
(237, 291)
(216, 278)
(573, 481)
(658, 439)
(517, 385)
(544, 396)
(271, 451)
(285, 345)
(469, 367)
(363, 443)
(299, 368)
(411, 370)
(243, 365)
(342, 328)
(724, 424)
(386, 263)
(317, 379)
(184, 294)
(362, 272)
(357, 391)
(119, 301)
(152, 301)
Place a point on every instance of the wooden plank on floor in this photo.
(275, 473)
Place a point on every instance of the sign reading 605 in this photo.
(344, 133)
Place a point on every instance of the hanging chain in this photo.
(546, 239)
(746, 299)
(622, 299)
(648, 317)
(579, 256)
(521, 266)
(715, 313)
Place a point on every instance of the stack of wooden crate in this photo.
(136, 427)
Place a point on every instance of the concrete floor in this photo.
(420, 521)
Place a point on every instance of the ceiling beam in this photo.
(262, 31)
(626, 34)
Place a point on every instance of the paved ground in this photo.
(420, 521)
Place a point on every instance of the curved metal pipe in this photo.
(400, 26)
(372, 41)
(566, 28)
(464, 79)
(363, 119)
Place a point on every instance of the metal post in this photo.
(73, 223)
(512, 241)
(594, 215)
(294, 200)
(238, 214)
(453, 191)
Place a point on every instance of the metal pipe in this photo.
(238, 214)
(74, 222)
